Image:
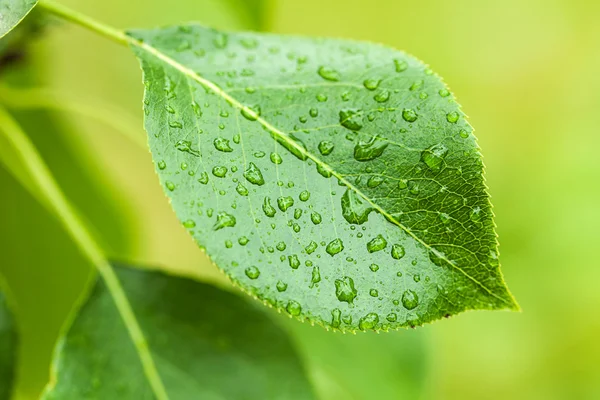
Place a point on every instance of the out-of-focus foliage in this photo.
(206, 344)
(8, 345)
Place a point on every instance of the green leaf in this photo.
(207, 343)
(8, 348)
(336, 180)
(12, 13)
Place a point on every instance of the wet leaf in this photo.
(12, 13)
(205, 342)
(351, 183)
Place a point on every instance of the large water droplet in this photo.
(366, 151)
(345, 290)
(312, 246)
(219, 171)
(186, 147)
(304, 195)
(409, 115)
(252, 272)
(326, 147)
(281, 286)
(369, 321)
(334, 247)
(328, 74)
(203, 178)
(285, 202)
(434, 156)
(293, 308)
(315, 217)
(376, 244)
(351, 119)
(241, 189)
(398, 251)
(222, 144)
(268, 209)
(452, 117)
(294, 261)
(224, 220)
(410, 299)
(276, 158)
(354, 209)
(253, 175)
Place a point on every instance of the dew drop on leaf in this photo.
(345, 290)
(376, 244)
(328, 74)
(334, 247)
(410, 300)
(254, 175)
(252, 272)
(369, 321)
(434, 156)
(354, 209)
(398, 251)
(366, 151)
(224, 220)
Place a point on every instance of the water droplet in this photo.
(312, 246)
(382, 96)
(203, 178)
(268, 209)
(329, 74)
(315, 217)
(175, 124)
(162, 165)
(224, 220)
(297, 213)
(417, 85)
(241, 189)
(410, 299)
(324, 170)
(243, 240)
(475, 214)
(228, 244)
(294, 261)
(369, 321)
(371, 84)
(402, 184)
(170, 185)
(398, 251)
(251, 113)
(222, 144)
(463, 134)
(409, 115)
(219, 171)
(374, 181)
(376, 244)
(373, 293)
(281, 286)
(351, 119)
(334, 247)
(321, 98)
(293, 308)
(326, 147)
(186, 147)
(444, 93)
(253, 175)
(276, 158)
(354, 209)
(374, 267)
(280, 246)
(345, 290)
(294, 145)
(452, 117)
(252, 272)
(392, 317)
(336, 318)
(366, 151)
(316, 276)
(285, 202)
(189, 224)
(400, 65)
(445, 218)
(304, 195)
(434, 156)
(417, 278)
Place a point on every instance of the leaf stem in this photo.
(74, 226)
(78, 18)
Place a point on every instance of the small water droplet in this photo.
(366, 151)
(189, 224)
(334, 247)
(354, 209)
(175, 124)
(369, 321)
(254, 175)
(417, 85)
(434, 156)
(373, 293)
(285, 202)
(398, 251)
(224, 220)
(241, 189)
(313, 112)
(304, 195)
(382, 96)
(371, 84)
(375, 181)
(410, 300)
(392, 317)
(186, 147)
(409, 115)
(170, 185)
(351, 119)
(297, 213)
(444, 93)
(243, 240)
(251, 113)
(321, 98)
(326, 147)
(268, 209)
(281, 286)
(463, 134)
(316, 276)
(315, 217)
(374, 267)
(222, 144)
(276, 158)
(294, 261)
(452, 117)
(312, 246)
(400, 65)
(345, 290)
(280, 246)
(328, 74)
(417, 278)
(219, 171)
(336, 318)
(203, 178)
(252, 272)
(376, 244)
(162, 165)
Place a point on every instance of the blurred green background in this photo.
(527, 73)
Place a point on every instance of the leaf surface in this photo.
(336, 180)
(206, 343)
(8, 348)
(12, 13)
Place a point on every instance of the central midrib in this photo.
(235, 103)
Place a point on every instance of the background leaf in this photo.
(8, 347)
(350, 185)
(12, 12)
(206, 343)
